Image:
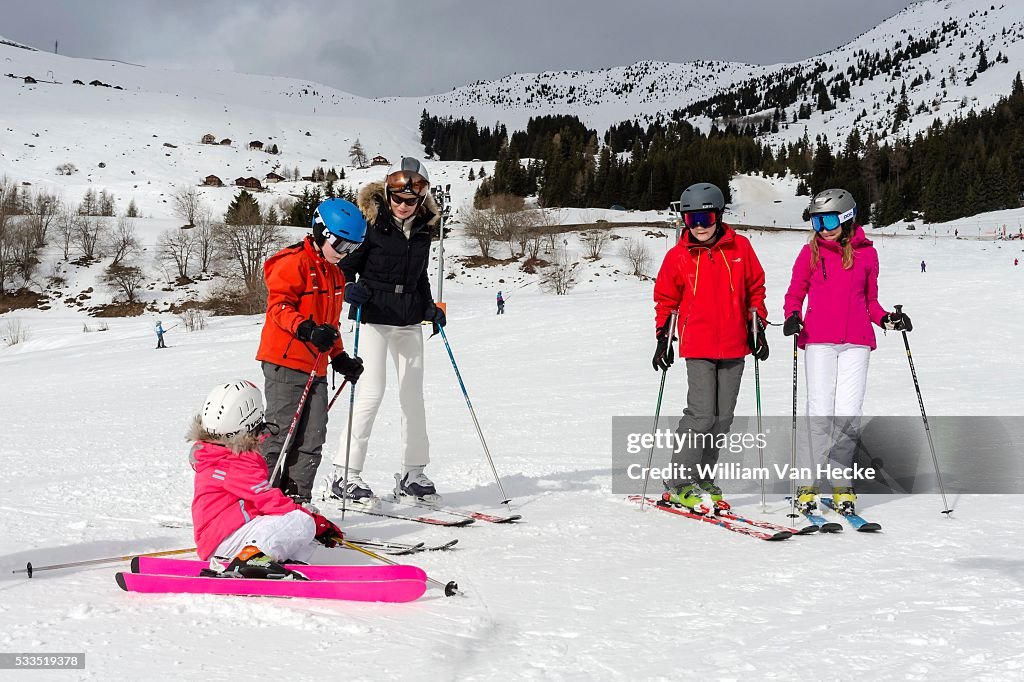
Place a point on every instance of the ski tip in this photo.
(830, 528)
(781, 535)
(135, 565)
(869, 527)
(463, 523)
(807, 530)
(119, 577)
(510, 519)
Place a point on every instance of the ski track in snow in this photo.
(586, 587)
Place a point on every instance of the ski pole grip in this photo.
(899, 309)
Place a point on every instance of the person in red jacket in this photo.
(305, 290)
(237, 516)
(713, 279)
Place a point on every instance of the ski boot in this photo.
(416, 484)
(712, 489)
(354, 490)
(252, 563)
(688, 496)
(807, 499)
(845, 500)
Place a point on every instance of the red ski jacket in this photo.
(714, 289)
(300, 285)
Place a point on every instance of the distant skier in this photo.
(501, 304)
(236, 514)
(923, 267)
(713, 278)
(160, 334)
(837, 272)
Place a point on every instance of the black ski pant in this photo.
(283, 388)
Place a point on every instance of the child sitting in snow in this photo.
(237, 513)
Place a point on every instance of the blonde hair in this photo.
(845, 240)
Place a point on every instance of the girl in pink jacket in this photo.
(236, 513)
(837, 272)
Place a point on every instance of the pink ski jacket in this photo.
(841, 304)
(230, 490)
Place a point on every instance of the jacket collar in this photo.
(372, 201)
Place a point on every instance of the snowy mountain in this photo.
(128, 125)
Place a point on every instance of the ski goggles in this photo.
(830, 221)
(344, 246)
(405, 201)
(406, 182)
(700, 218)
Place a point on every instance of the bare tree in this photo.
(560, 278)
(186, 203)
(67, 227)
(534, 242)
(23, 252)
(89, 234)
(44, 214)
(245, 248)
(203, 234)
(66, 168)
(121, 242)
(194, 319)
(177, 246)
(15, 332)
(478, 228)
(125, 279)
(638, 256)
(595, 241)
(508, 217)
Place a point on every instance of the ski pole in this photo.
(924, 416)
(476, 422)
(279, 464)
(792, 459)
(351, 409)
(757, 395)
(336, 394)
(450, 589)
(657, 409)
(30, 569)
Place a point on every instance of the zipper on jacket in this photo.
(824, 274)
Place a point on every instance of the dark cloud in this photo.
(386, 47)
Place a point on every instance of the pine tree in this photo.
(243, 210)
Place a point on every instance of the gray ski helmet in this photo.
(407, 176)
(702, 196)
(832, 201)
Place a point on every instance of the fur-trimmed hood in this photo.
(238, 443)
(372, 199)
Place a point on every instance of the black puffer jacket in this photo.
(392, 267)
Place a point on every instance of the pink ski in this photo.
(192, 567)
(376, 591)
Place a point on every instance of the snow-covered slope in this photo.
(585, 588)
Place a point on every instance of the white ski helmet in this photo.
(232, 408)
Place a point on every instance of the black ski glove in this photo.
(897, 321)
(322, 336)
(435, 315)
(758, 346)
(357, 293)
(348, 367)
(664, 355)
(793, 325)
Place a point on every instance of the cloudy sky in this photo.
(378, 48)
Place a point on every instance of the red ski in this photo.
(715, 521)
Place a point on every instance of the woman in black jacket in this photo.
(394, 292)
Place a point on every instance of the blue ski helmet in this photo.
(338, 221)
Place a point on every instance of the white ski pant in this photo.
(405, 346)
(284, 537)
(837, 376)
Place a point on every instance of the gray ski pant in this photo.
(713, 386)
(283, 388)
